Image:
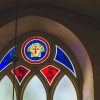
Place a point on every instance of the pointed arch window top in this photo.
(6, 89)
(62, 58)
(65, 90)
(35, 90)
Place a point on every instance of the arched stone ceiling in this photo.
(87, 7)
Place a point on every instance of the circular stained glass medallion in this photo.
(35, 50)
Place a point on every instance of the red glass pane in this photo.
(20, 73)
(50, 72)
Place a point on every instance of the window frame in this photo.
(77, 81)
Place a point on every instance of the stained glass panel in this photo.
(6, 89)
(65, 90)
(7, 59)
(34, 90)
(50, 72)
(35, 50)
(20, 73)
(62, 58)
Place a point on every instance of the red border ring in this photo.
(39, 61)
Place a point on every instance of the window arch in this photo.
(45, 58)
(6, 89)
(62, 33)
(32, 90)
(70, 94)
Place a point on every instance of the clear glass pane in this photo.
(34, 90)
(6, 89)
(65, 90)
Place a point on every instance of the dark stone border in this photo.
(53, 12)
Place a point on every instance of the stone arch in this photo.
(38, 23)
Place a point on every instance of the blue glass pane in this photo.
(62, 58)
(7, 59)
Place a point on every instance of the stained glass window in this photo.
(7, 59)
(6, 89)
(35, 90)
(44, 70)
(50, 72)
(65, 90)
(62, 58)
(20, 73)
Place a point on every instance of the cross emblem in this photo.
(36, 49)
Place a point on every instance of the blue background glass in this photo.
(28, 54)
